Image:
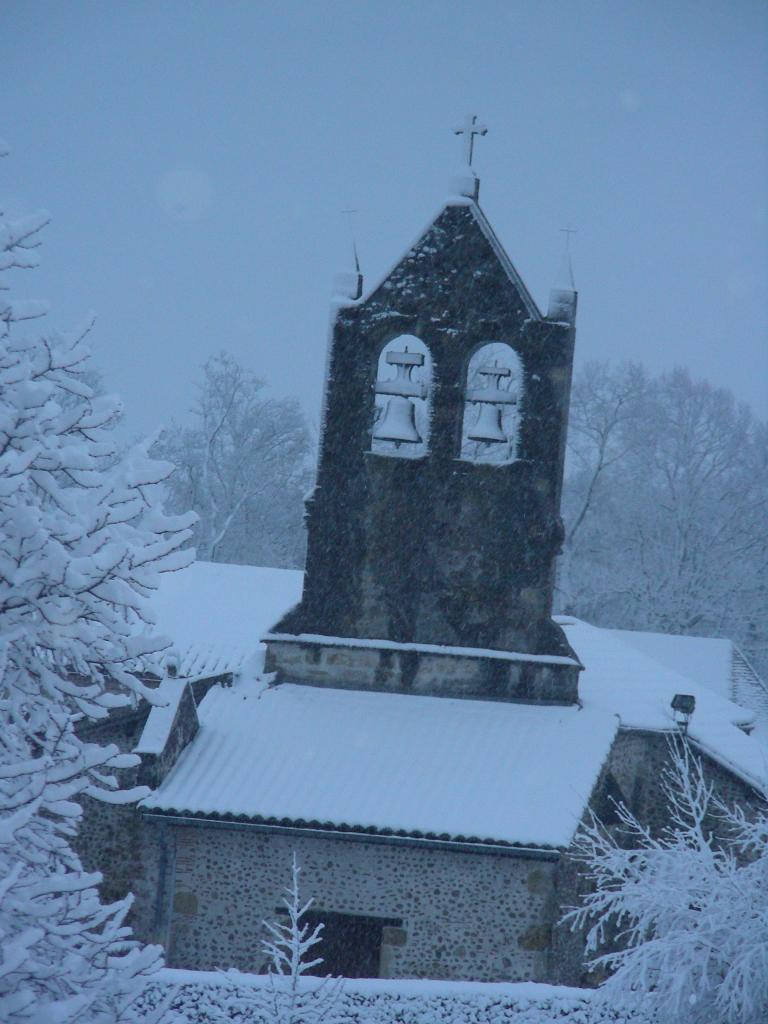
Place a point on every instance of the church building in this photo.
(407, 716)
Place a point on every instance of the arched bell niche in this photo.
(492, 398)
(401, 418)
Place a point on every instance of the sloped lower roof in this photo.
(214, 614)
(619, 677)
(157, 729)
(368, 761)
(706, 659)
(374, 761)
(715, 662)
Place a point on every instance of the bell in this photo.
(398, 423)
(488, 425)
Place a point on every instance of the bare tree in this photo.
(242, 465)
(666, 503)
(606, 404)
(702, 544)
(291, 944)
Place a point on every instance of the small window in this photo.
(401, 419)
(490, 426)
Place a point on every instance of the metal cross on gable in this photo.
(469, 130)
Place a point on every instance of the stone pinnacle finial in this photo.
(562, 297)
(565, 278)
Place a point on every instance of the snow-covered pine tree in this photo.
(288, 1000)
(82, 540)
(689, 909)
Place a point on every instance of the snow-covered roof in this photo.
(434, 766)
(215, 614)
(706, 659)
(157, 729)
(715, 662)
(375, 762)
(619, 677)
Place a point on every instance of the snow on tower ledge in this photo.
(347, 284)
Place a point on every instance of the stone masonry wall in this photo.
(204, 891)
(636, 764)
(371, 668)
(110, 836)
(478, 916)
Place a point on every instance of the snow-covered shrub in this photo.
(81, 542)
(208, 998)
(688, 909)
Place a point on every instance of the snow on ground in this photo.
(435, 766)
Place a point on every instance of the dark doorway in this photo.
(351, 943)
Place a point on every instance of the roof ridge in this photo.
(504, 259)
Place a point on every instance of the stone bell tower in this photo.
(434, 525)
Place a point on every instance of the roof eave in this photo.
(353, 833)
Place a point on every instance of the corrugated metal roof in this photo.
(714, 662)
(375, 761)
(434, 766)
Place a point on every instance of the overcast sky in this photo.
(196, 158)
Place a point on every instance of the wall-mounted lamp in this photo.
(683, 704)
